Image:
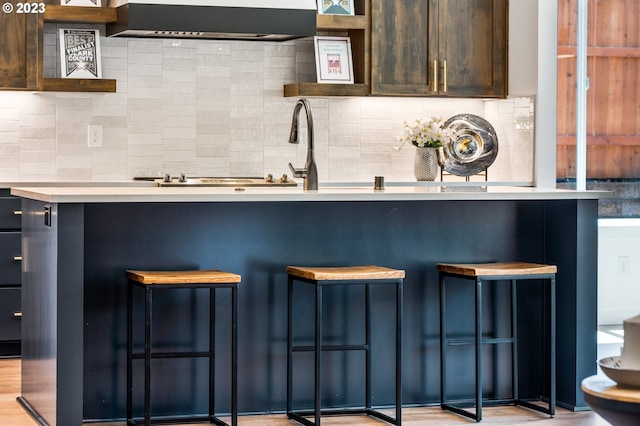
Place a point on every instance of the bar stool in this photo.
(334, 276)
(479, 273)
(166, 280)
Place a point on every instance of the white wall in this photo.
(618, 270)
(523, 42)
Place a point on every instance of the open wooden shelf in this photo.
(341, 22)
(323, 89)
(79, 14)
(77, 85)
(358, 29)
(75, 15)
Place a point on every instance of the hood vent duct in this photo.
(267, 20)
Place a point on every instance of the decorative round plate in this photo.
(475, 147)
(611, 367)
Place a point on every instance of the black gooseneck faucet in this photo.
(309, 173)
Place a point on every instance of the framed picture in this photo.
(80, 53)
(335, 7)
(333, 60)
(90, 3)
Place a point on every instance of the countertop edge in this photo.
(117, 194)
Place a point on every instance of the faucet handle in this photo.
(299, 173)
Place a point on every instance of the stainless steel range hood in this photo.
(268, 20)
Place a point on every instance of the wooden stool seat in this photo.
(345, 272)
(497, 269)
(478, 273)
(210, 276)
(151, 281)
(319, 277)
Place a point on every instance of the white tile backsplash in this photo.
(206, 107)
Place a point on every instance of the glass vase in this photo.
(425, 166)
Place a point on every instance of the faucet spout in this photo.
(310, 172)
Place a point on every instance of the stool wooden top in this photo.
(207, 276)
(499, 268)
(369, 272)
(603, 387)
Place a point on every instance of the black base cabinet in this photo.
(10, 270)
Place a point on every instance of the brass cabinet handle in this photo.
(435, 75)
(17, 212)
(17, 314)
(17, 258)
(444, 77)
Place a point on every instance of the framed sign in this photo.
(335, 7)
(89, 3)
(80, 53)
(333, 60)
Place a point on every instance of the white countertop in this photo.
(149, 194)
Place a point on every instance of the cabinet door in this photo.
(439, 47)
(18, 50)
(472, 47)
(400, 52)
(10, 213)
(10, 304)
(10, 258)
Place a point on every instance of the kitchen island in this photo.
(77, 243)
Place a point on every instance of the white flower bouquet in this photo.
(427, 133)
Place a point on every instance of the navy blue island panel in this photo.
(74, 297)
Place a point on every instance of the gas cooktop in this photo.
(183, 180)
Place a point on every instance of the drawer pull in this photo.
(435, 76)
(17, 314)
(17, 258)
(444, 76)
(17, 212)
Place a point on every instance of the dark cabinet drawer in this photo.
(10, 257)
(10, 213)
(10, 313)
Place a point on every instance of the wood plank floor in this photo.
(12, 414)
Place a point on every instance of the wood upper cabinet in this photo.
(18, 51)
(439, 48)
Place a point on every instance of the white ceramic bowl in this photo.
(611, 367)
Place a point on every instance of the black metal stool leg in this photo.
(147, 355)
(399, 319)
(478, 309)
(234, 356)
(367, 344)
(552, 345)
(318, 356)
(289, 341)
(129, 350)
(514, 345)
(443, 345)
(212, 351)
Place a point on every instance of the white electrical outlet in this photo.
(94, 135)
(623, 266)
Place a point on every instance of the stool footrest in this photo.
(458, 408)
(549, 409)
(471, 341)
(179, 420)
(331, 348)
(154, 355)
(459, 411)
(301, 416)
